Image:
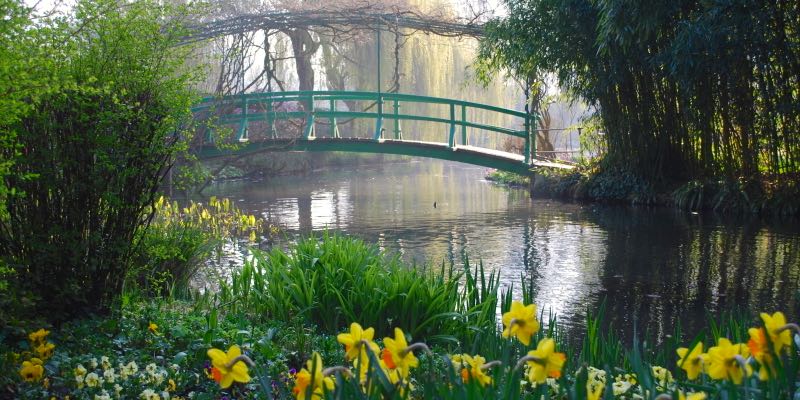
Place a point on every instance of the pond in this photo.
(653, 267)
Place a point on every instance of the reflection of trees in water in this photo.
(662, 269)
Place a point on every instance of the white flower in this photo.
(553, 384)
(109, 375)
(133, 367)
(93, 380)
(117, 389)
(80, 370)
(149, 394)
(102, 396)
(165, 395)
(93, 363)
(175, 367)
(151, 368)
(105, 362)
(620, 387)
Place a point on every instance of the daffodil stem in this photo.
(413, 347)
(525, 359)
(332, 370)
(787, 327)
(491, 364)
(243, 358)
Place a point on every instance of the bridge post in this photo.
(241, 136)
(398, 133)
(309, 131)
(451, 140)
(334, 127)
(464, 125)
(379, 121)
(270, 120)
(527, 137)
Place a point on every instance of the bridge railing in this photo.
(312, 105)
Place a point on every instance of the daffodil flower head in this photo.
(396, 356)
(545, 362)
(310, 380)
(779, 336)
(152, 327)
(354, 340)
(691, 361)
(520, 322)
(471, 368)
(726, 361)
(759, 349)
(228, 367)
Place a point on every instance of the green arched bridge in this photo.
(261, 122)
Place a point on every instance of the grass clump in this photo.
(332, 280)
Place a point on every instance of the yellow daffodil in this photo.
(31, 371)
(691, 361)
(355, 346)
(759, 349)
(310, 379)
(521, 322)
(39, 336)
(228, 367)
(45, 350)
(779, 337)
(471, 368)
(692, 396)
(152, 327)
(725, 361)
(545, 361)
(396, 356)
(353, 341)
(171, 386)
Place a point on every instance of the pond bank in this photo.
(767, 197)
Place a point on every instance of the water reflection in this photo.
(655, 266)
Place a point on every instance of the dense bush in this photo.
(91, 151)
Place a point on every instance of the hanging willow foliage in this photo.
(686, 88)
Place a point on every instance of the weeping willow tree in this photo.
(432, 65)
(686, 89)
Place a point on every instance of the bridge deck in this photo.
(468, 154)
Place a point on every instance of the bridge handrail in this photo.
(323, 95)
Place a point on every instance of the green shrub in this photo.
(93, 150)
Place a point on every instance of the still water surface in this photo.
(654, 267)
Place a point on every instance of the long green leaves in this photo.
(332, 281)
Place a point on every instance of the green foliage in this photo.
(508, 178)
(181, 239)
(333, 280)
(685, 88)
(176, 348)
(98, 143)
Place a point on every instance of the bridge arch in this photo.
(266, 109)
